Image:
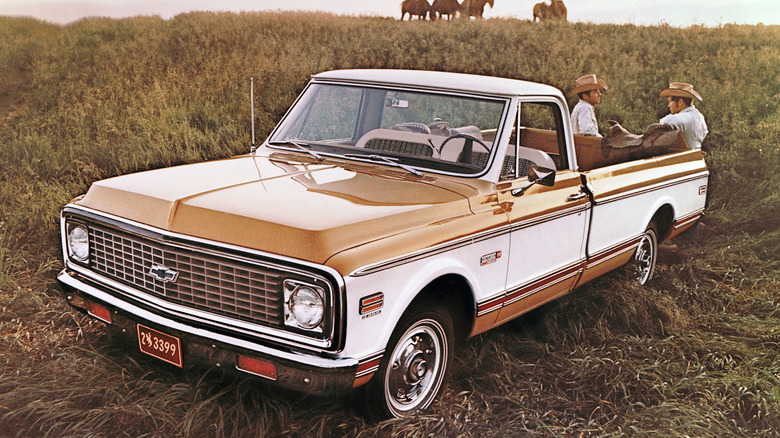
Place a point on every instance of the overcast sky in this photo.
(680, 13)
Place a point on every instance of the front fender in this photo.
(400, 285)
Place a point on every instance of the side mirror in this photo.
(537, 175)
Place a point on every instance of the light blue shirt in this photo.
(691, 123)
(583, 119)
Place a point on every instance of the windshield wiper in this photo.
(299, 146)
(390, 161)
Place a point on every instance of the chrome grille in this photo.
(216, 284)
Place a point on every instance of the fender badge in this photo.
(163, 274)
(489, 258)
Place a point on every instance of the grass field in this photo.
(694, 353)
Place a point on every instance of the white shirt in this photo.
(583, 119)
(691, 123)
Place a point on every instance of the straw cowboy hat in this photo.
(587, 83)
(681, 89)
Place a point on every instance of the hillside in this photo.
(694, 353)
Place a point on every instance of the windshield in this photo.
(431, 131)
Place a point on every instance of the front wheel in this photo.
(414, 368)
(645, 255)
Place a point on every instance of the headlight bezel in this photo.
(296, 294)
(73, 246)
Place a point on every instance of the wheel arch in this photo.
(453, 292)
(664, 220)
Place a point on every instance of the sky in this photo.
(680, 13)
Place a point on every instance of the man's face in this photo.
(593, 97)
(675, 106)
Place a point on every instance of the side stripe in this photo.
(502, 230)
(369, 365)
(687, 220)
(428, 252)
(529, 288)
(613, 251)
(459, 243)
(539, 284)
(652, 188)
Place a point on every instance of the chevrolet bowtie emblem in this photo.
(163, 274)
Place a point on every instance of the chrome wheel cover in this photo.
(416, 367)
(644, 258)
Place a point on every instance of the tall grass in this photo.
(694, 353)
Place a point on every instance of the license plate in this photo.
(157, 344)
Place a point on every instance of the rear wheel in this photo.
(414, 368)
(643, 266)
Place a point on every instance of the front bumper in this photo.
(298, 371)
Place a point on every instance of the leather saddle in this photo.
(657, 139)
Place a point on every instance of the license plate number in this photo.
(160, 345)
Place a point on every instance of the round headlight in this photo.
(78, 242)
(306, 307)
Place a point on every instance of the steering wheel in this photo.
(467, 137)
(465, 154)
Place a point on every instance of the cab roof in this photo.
(442, 81)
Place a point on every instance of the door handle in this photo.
(576, 196)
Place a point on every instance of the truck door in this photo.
(548, 223)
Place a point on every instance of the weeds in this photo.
(693, 353)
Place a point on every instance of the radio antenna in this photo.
(252, 106)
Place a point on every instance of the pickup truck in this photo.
(389, 215)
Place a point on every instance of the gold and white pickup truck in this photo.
(389, 214)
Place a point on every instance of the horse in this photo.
(418, 8)
(540, 11)
(475, 8)
(558, 10)
(450, 8)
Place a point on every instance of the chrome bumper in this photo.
(304, 372)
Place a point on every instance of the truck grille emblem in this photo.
(163, 274)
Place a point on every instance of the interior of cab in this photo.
(536, 140)
(450, 132)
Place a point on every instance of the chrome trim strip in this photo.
(303, 359)
(434, 250)
(540, 283)
(613, 251)
(465, 241)
(551, 216)
(530, 288)
(517, 296)
(685, 220)
(652, 188)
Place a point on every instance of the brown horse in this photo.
(558, 10)
(450, 8)
(475, 8)
(541, 10)
(418, 8)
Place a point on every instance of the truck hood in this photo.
(284, 204)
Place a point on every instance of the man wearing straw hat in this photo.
(685, 116)
(583, 117)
